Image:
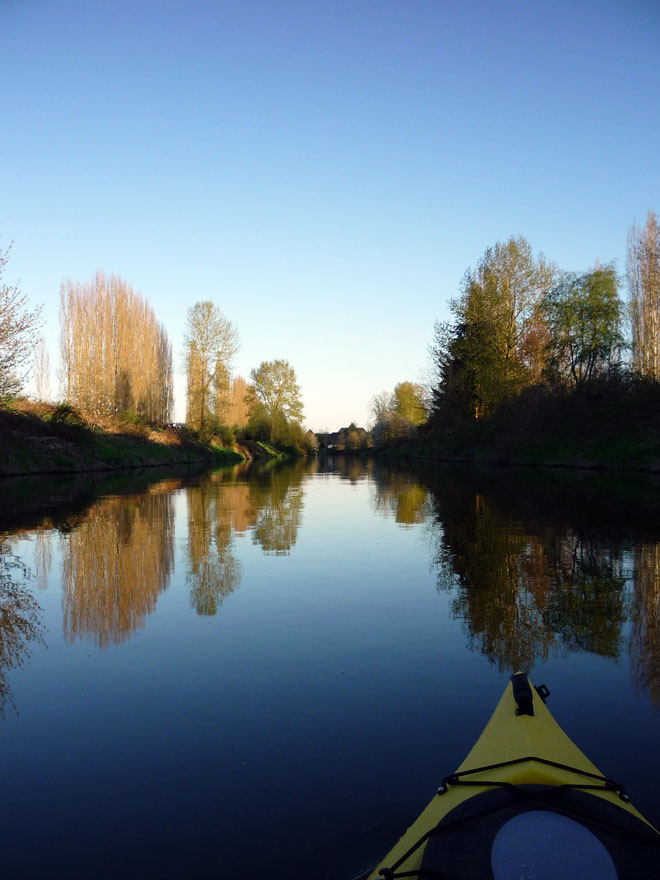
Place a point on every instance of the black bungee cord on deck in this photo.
(541, 797)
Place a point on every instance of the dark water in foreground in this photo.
(265, 674)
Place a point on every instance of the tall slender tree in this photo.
(643, 271)
(41, 370)
(115, 356)
(236, 406)
(211, 342)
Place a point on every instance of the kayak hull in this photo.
(523, 764)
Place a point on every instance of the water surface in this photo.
(265, 672)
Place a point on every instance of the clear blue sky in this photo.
(323, 171)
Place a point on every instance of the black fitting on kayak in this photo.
(452, 779)
(542, 691)
(522, 694)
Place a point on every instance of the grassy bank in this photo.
(41, 438)
(613, 426)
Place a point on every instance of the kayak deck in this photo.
(527, 754)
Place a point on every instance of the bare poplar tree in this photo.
(643, 270)
(66, 341)
(238, 405)
(42, 370)
(18, 332)
(210, 342)
(381, 406)
(165, 383)
(115, 355)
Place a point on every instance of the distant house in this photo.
(348, 438)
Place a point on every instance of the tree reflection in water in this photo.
(43, 555)
(20, 620)
(541, 564)
(522, 596)
(536, 564)
(644, 643)
(266, 502)
(539, 573)
(279, 499)
(399, 494)
(116, 561)
(214, 572)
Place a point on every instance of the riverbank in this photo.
(41, 438)
(606, 429)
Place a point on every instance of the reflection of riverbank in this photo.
(538, 563)
(266, 502)
(117, 550)
(57, 500)
(548, 565)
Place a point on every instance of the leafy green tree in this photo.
(278, 392)
(484, 356)
(513, 284)
(473, 377)
(259, 423)
(585, 317)
(408, 400)
(210, 342)
(396, 415)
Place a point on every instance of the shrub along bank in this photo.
(612, 425)
(42, 438)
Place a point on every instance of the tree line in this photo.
(116, 362)
(520, 323)
(267, 408)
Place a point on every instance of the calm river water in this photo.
(266, 672)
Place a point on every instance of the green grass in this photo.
(221, 453)
(40, 438)
(107, 447)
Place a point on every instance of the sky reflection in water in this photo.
(262, 670)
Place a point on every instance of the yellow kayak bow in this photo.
(526, 803)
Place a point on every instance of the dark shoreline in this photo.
(31, 444)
